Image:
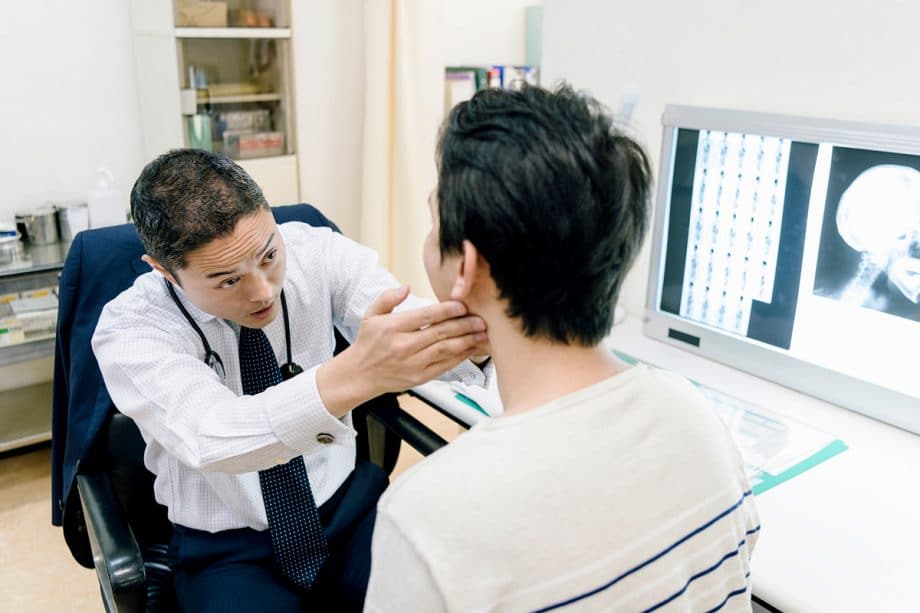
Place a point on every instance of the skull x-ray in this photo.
(870, 245)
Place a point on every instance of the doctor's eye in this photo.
(232, 282)
(271, 255)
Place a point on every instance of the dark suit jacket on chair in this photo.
(100, 265)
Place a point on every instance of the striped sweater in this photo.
(628, 495)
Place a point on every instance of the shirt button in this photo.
(325, 438)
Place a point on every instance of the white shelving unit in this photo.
(233, 32)
(254, 61)
(244, 98)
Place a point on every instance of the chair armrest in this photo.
(116, 555)
(408, 428)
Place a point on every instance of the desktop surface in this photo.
(840, 536)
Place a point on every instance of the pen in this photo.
(468, 401)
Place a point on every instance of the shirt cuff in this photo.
(301, 421)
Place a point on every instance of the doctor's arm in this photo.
(157, 378)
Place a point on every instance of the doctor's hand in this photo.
(396, 351)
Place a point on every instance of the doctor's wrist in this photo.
(340, 388)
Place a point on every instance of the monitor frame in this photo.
(754, 357)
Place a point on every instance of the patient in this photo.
(603, 486)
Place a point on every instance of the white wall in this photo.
(484, 32)
(68, 102)
(845, 60)
(328, 49)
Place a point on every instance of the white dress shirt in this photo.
(205, 440)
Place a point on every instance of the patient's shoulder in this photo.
(441, 482)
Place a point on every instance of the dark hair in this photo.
(553, 197)
(186, 198)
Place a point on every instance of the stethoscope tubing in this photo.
(213, 359)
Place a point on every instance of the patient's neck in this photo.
(532, 372)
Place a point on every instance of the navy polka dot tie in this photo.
(293, 520)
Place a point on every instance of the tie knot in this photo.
(258, 365)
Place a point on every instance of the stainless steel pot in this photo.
(38, 227)
(72, 217)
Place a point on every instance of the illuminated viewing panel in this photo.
(791, 241)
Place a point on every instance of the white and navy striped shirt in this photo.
(628, 495)
(205, 440)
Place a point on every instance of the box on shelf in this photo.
(202, 14)
(27, 316)
(242, 121)
(251, 18)
(243, 145)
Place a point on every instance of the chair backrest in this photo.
(101, 264)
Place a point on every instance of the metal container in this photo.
(38, 227)
(10, 251)
(72, 218)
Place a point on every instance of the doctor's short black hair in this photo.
(555, 199)
(186, 198)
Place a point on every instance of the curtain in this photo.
(404, 104)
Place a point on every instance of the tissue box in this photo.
(202, 15)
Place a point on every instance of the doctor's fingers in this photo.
(450, 351)
(445, 330)
(411, 320)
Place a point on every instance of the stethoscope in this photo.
(212, 358)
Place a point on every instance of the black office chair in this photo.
(127, 530)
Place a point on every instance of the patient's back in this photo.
(626, 495)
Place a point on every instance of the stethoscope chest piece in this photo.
(290, 370)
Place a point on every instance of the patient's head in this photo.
(186, 198)
(552, 197)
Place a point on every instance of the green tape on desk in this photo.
(768, 481)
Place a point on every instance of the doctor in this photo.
(223, 356)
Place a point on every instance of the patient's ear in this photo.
(160, 269)
(469, 267)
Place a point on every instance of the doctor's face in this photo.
(239, 277)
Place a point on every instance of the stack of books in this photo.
(461, 82)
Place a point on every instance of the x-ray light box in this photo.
(789, 247)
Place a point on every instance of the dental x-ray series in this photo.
(790, 247)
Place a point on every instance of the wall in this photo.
(852, 60)
(69, 101)
(328, 49)
(484, 32)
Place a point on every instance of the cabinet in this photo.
(217, 75)
(28, 314)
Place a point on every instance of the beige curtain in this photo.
(404, 104)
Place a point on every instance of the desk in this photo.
(842, 536)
